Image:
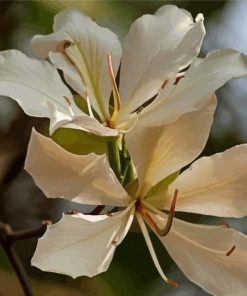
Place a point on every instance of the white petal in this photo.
(82, 244)
(32, 83)
(157, 47)
(160, 151)
(201, 253)
(215, 185)
(192, 92)
(71, 74)
(82, 122)
(85, 179)
(94, 43)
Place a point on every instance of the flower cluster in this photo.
(154, 122)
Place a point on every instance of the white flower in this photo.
(155, 50)
(214, 257)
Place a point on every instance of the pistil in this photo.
(160, 231)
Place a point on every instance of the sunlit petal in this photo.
(82, 244)
(85, 179)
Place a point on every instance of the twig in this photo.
(7, 238)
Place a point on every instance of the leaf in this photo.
(162, 185)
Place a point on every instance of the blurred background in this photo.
(24, 206)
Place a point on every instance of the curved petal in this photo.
(81, 121)
(88, 51)
(82, 244)
(213, 257)
(156, 48)
(85, 179)
(215, 185)
(32, 83)
(160, 151)
(192, 92)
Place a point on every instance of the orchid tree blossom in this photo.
(214, 257)
(153, 56)
(153, 89)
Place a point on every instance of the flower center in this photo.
(142, 209)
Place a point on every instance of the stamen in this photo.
(179, 76)
(114, 242)
(173, 283)
(152, 251)
(89, 107)
(116, 95)
(164, 84)
(67, 100)
(72, 212)
(225, 225)
(167, 228)
(231, 250)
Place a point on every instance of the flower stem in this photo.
(114, 158)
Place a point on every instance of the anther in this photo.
(46, 222)
(114, 242)
(72, 212)
(139, 110)
(231, 250)
(67, 101)
(173, 283)
(62, 46)
(164, 84)
(178, 79)
(225, 225)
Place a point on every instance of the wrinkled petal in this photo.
(88, 52)
(156, 48)
(82, 244)
(213, 257)
(82, 122)
(85, 179)
(215, 185)
(32, 84)
(192, 92)
(160, 151)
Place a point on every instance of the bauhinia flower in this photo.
(214, 257)
(154, 52)
(154, 88)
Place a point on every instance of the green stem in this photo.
(114, 158)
